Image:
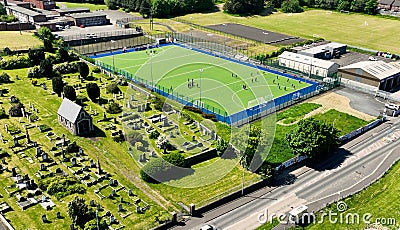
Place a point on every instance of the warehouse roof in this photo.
(378, 69)
(72, 10)
(323, 48)
(24, 11)
(304, 59)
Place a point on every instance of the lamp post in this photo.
(97, 219)
(265, 40)
(151, 67)
(201, 71)
(244, 168)
(111, 48)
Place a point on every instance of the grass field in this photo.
(15, 40)
(346, 28)
(90, 6)
(174, 68)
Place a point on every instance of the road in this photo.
(355, 166)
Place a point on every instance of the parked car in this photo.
(373, 58)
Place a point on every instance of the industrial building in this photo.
(66, 11)
(322, 51)
(383, 76)
(307, 64)
(90, 19)
(26, 15)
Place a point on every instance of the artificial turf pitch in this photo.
(188, 73)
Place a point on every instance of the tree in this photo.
(15, 111)
(221, 146)
(69, 92)
(155, 170)
(36, 56)
(154, 135)
(78, 211)
(83, 69)
(370, 6)
(145, 7)
(48, 45)
(243, 6)
(312, 138)
(3, 113)
(58, 85)
(113, 108)
(46, 68)
(63, 54)
(112, 88)
(93, 91)
(133, 137)
(343, 5)
(45, 33)
(291, 6)
(2, 10)
(175, 158)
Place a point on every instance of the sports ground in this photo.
(226, 87)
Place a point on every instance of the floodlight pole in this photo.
(201, 71)
(265, 40)
(151, 67)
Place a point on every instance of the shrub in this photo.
(16, 63)
(119, 138)
(96, 69)
(112, 88)
(34, 72)
(4, 78)
(175, 158)
(3, 113)
(93, 91)
(154, 135)
(61, 186)
(156, 168)
(34, 82)
(113, 108)
(66, 68)
(72, 148)
(69, 92)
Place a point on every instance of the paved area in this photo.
(114, 15)
(256, 34)
(362, 102)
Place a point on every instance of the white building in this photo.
(308, 65)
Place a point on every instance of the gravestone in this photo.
(58, 215)
(115, 182)
(113, 192)
(16, 141)
(71, 227)
(92, 164)
(152, 154)
(111, 182)
(122, 200)
(14, 172)
(128, 105)
(6, 127)
(98, 207)
(43, 198)
(44, 218)
(132, 97)
(119, 207)
(16, 77)
(44, 86)
(139, 108)
(104, 116)
(166, 122)
(130, 192)
(138, 209)
(45, 157)
(144, 107)
(80, 151)
(140, 158)
(58, 170)
(92, 203)
(42, 167)
(171, 134)
(73, 162)
(3, 161)
(193, 138)
(38, 152)
(112, 219)
(23, 112)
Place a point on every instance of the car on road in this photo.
(208, 227)
(373, 58)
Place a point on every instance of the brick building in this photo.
(42, 4)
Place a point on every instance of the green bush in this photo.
(3, 113)
(15, 111)
(112, 88)
(154, 135)
(113, 108)
(66, 68)
(61, 186)
(96, 69)
(175, 158)
(4, 78)
(156, 168)
(15, 63)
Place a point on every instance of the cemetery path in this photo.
(138, 183)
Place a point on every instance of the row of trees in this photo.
(162, 8)
(294, 6)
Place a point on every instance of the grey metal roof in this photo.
(24, 11)
(88, 15)
(71, 10)
(69, 110)
(386, 2)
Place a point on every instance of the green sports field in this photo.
(189, 73)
